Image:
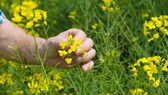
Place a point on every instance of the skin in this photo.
(14, 41)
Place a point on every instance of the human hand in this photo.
(52, 45)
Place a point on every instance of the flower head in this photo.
(72, 45)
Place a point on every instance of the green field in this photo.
(130, 38)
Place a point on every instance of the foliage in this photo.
(130, 37)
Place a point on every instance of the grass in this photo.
(118, 40)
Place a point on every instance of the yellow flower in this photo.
(70, 38)
(78, 42)
(72, 45)
(45, 23)
(44, 15)
(151, 39)
(149, 73)
(146, 32)
(159, 23)
(154, 19)
(73, 48)
(63, 44)
(37, 25)
(94, 26)
(145, 15)
(17, 18)
(107, 2)
(134, 69)
(37, 83)
(153, 68)
(68, 60)
(165, 23)
(165, 67)
(62, 53)
(143, 60)
(103, 8)
(151, 25)
(29, 24)
(32, 84)
(72, 15)
(26, 15)
(111, 10)
(6, 78)
(138, 91)
(156, 24)
(156, 35)
(18, 92)
(146, 68)
(156, 83)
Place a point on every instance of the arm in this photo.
(14, 41)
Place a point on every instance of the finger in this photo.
(77, 34)
(88, 56)
(88, 66)
(85, 46)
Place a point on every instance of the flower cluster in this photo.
(72, 45)
(27, 15)
(150, 66)
(18, 92)
(94, 26)
(38, 83)
(72, 15)
(5, 78)
(138, 91)
(110, 6)
(156, 27)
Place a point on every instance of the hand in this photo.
(52, 45)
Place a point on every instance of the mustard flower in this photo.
(94, 26)
(110, 6)
(103, 8)
(29, 24)
(18, 92)
(156, 27)
(63, 44)
(72, 15)
(156, 35)
(145, 15)
(6, 78)
(55, 80)
(37, 83)
(68, 60)
(108, 2)
(156, 83)
(72, 45)
(151, 25)
(26, 15)
(62, 53)
(144, 60)
(146, 68)
(138, 91)
(73, 48)
(151, 66)
(165, 66)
